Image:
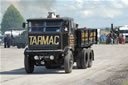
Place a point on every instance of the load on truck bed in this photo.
(56, 42)
(86, 37)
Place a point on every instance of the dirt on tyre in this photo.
(29, 64)
(68, 62)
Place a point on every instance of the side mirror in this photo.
(77, 25)
(24, 25)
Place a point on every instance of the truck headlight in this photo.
(36, 57)
(51, 57)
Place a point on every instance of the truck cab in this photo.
(49, 34)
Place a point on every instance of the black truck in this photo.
(56, 42)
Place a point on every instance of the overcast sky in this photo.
(89, 13)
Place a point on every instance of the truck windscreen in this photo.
(45, 26)
(123, 31)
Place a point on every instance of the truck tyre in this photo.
(29, 64)
(68, 62)
(90, 57)
(82, 60)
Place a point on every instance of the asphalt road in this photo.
(110, 60)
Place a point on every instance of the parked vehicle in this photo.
(124, 31)
(17, 37)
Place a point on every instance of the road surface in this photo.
(109, 68)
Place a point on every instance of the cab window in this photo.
(52, 29)
(36, 26)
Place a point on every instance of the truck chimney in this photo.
(51, 15)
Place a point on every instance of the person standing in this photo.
(8, 41)
(112, 40)
(5, 41)
(123, 39)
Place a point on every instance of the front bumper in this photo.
(43, 52)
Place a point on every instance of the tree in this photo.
(12, 19)
(107, 28)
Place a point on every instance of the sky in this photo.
(87, 13)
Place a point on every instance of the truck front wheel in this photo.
(29, 64)
(68, 62)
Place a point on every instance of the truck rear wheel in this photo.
(82, 60)
(91, 57)
(68, 62)
(29, 64)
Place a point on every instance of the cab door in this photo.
(71, 34)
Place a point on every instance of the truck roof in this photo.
(123, 28)
(61, 18)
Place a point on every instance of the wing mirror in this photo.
(24, 25)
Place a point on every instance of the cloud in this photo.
(72, 7)
(110, 13)
(117, 4)
(103, 9)
(31, 8)
(11, 0)
(79, 3)
(125, 2)
(100, 11)
(87, 13)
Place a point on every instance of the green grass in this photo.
(102, 42)
(126, 83)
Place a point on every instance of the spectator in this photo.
(5, 41)
(123, 39)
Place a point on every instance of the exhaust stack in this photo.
(51, 15)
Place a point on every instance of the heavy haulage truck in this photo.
(57, 41)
